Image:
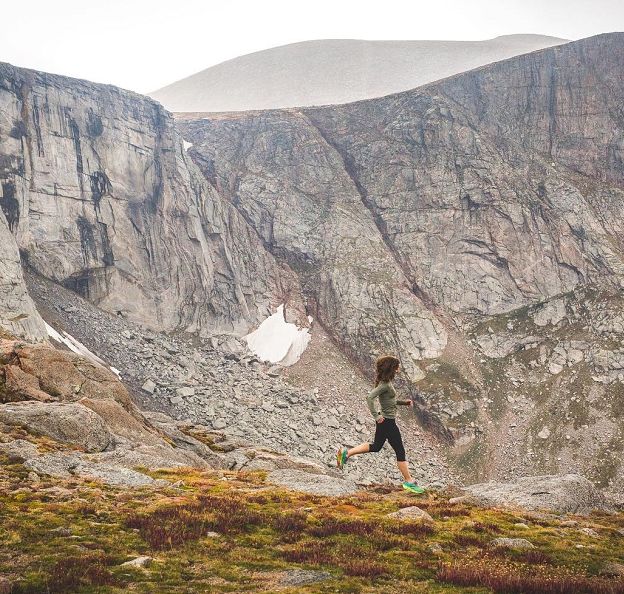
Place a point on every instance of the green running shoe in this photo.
(341, 457)
(413, 488)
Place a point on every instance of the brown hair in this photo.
(387, 367)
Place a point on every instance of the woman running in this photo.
(386, 428)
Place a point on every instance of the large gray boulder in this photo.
(67, 465)
(67, 422)
(314, 484)
(570, 493)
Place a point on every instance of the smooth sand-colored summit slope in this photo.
(332, 71)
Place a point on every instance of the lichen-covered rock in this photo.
(511, 543)
(19, 450)
(67, 422)
(570, 493)
(19, 385)
(314, 484)
(31, 369)
(65, 465)
(143, 561)
(411, 513)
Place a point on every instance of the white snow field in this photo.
(278, 341)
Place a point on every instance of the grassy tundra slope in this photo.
(219, 531)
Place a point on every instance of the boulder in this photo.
(142, 561)
(570, 493)
(314, 484)
(19, 450)
(61, 375)
(66, 465)
(69, 376)
(66, 422)
(511, 543)
(265, 460)
(124, 422)
(411, 513)
(19, 385)
(149, 386)
(152, 457)
(613, 569)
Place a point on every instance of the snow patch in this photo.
(277, 340)
(74, 345)
(186, 145)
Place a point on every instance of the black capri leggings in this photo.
(388, 430)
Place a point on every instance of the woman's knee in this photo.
(399, 450)
(374, 447)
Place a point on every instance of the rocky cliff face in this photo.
(293, 187)
(490, 190)
(18, 315)
(100, 196)
(419, 220)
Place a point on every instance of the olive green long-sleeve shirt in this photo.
(388, 402)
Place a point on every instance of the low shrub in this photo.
(507, 579)
(79, 571)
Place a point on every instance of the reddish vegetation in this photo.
(173, 525)
(504, 579)
(71, 573)
(487, 527)
(348, 558)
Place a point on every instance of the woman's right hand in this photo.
(380, 420)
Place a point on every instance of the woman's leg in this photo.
(396, 441)
(364, 448)
(403, 467)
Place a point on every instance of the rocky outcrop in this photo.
(562, 494)
(84, 407)
(101, 196)
(94, 431)
(18, 315)
(66, 422)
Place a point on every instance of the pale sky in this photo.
(145, 44)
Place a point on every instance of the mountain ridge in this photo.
(336, 71)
